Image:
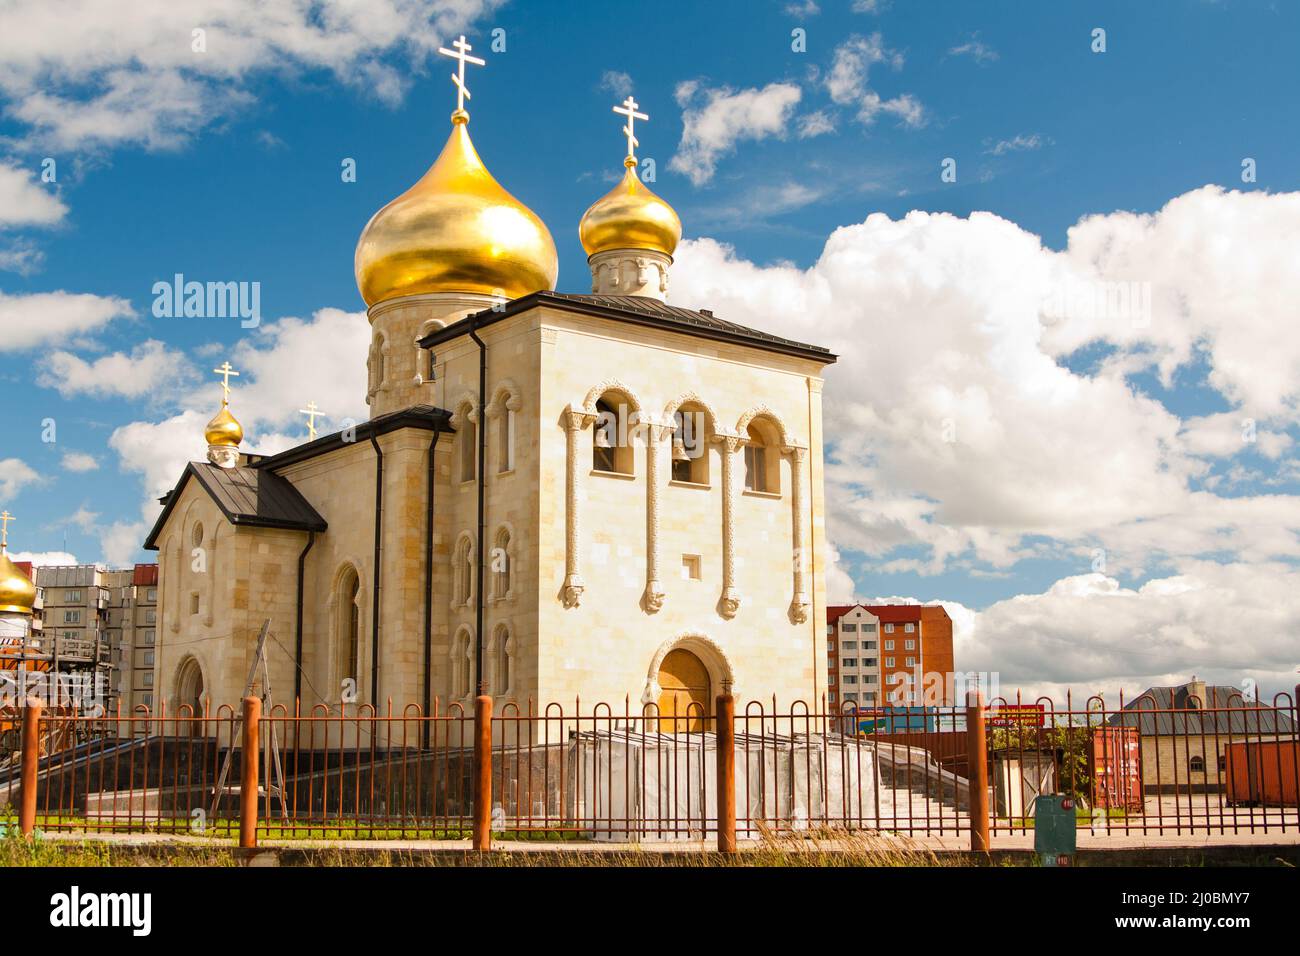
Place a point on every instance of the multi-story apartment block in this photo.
(887, 654)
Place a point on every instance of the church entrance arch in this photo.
(189, 696)
(685, 693)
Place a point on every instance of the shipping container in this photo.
(1117, 769)
(1263, 773)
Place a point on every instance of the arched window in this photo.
(506, 440)
(468, 446)
(1196, 765)
(461, 664)
(349, 618)
(690, 449)
(762, 461)
(500, 565)
(463, 572)
(196, 535)
(503, 652)
(611, 444)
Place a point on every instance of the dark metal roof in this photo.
(1167, 711)
(639, 310)
(426, 417)
(246, 496)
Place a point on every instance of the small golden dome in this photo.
(17, 592)
(224, 429)
(456, 230)
(630, 216)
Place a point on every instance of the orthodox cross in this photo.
(311, 411)
(628, 109)
(5, 518)
(225, 372)
(461, 53)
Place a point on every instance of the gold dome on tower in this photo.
(457, 229)
(17, 592)
(224, 429)
(630, 216)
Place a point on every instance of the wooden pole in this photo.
(31, 757)
(483, 773)
(249, 774)
(977, 774)
(726, 734)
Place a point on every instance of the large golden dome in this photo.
(630, 216)
(224, 429)
(17, 592)
(456, 230)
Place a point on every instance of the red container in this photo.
(1117, 769)
(1263, 773)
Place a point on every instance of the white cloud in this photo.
(79, 461)
(82, 73)
(616, 82)
(42, 318)
(45, 559)
(1018, 143)
(150, 368)
(815, 124)
(806, 8)
(959, 436)
(869, 6)
(15, 474)
(25, 202)
(976, 49)
(714, 120)
(848, 82)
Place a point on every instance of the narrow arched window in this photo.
(690, 446)
(506, 441)
(500, 565)
(503, 664)
(463, 572)
(349, 626)
(468, 447)
(611, 445)
(460, 664)
(762, 463)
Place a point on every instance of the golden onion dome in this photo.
(17, 592)
(630, 216)
(224, 429)
(456, 230)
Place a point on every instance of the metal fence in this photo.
(633, 774)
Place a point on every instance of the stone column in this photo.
(729, 603)
(574, 423)
(654, 592)
(799, 605)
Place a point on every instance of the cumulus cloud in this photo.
(82, 73)
(15, 474)
(714, 120)
(149, 369)
(45, 559)
(976, 49)
(41, 318)
(616, 82)
(848, 82)
(79, 461)
(961, 433)
(25, 202)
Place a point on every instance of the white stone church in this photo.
(556, 495)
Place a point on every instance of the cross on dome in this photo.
(311, 411)
(225, 371)
(461, 54)
(628, 108)
(5, 518)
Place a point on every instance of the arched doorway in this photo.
(189, 697)
(685, 693)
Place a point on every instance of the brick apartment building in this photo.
(882, 654)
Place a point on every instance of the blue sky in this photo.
(228, 168)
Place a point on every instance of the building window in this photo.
(349, 611)
(149, 637)
(503, 651)
(869, 679)
(910, 661)
(850, 645)
(611, 450)
(194, 602)
(850, 662)
(889, 629)
(506, 441)
(850, 679)
(691, 570)
(690, 450)
(909, 628)
(762, 464)
(868, 628)
(468, 448)
(909, 645)
(501, 566)
(850, 628)
(72, 597)
(868, 645)
(830, 680)
(830, 647)
(870, 696)
(889, 662)
(1223, 763)
(152, 596)
(147, 678)
(463, 569)
(869, 661)
(148, 658)
(150, 617)
(71, 617)
(832, 697)
(889, 645)
(1196, 765)
(461, 649)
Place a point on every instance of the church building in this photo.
(557, 496)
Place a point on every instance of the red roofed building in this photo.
(886, 653)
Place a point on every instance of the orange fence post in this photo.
(249, 774)
(726, 734)
(31, 757)
(483, 773)
(977, 772)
